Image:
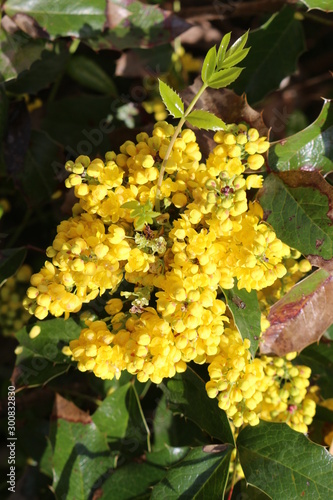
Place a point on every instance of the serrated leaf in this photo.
(209, 64)
(171, 99)
(325, 5)
(10, 261)
(205, 120)
(298, 204)
(203, 473)
(224, 77)
(81, 456)
(275, 48)
(310, 148)
(301, 317)
(89, 74)
(246, 313)
(284, 463)
(222, 50)
(62, 18)
(186, 394)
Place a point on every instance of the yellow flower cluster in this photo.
(13, 316)
(172, 266)
(270, 388)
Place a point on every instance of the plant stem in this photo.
(233, 479)
(171, 144)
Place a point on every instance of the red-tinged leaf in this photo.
(225, 104)
(301, 317)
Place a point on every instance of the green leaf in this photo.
(131, 204)
(54, 334)
(10, 261)
(135, 479)
(235, 58)
(244, 491)
(222, 50)
(37, 178)
(224, 77)
(171, 99)
(88, 73)
(284, 463)
(209, 64)
(17, 54)
(81, 456)
(186, 394)
(275, 48)
(120, 418)
(325, 5)
(202, 474)
(42, 72)
(238, 45)
(310, 148)
(297, 205)
(205, 120)
(32, 370)
(62, 18)
(246, 313)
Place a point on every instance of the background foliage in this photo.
(80, 78)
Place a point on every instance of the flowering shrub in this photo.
(180, 283)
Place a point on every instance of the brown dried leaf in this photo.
(69, 411)
(301, 317)
(8, 25)
(215, 448)
(225, 104)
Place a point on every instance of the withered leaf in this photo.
(67, 410)
(301, 317)
(225, 104)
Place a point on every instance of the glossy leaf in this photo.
(203, 473)
(224, 77)
(54, 334)
(10, 261)
(186, 394)
(121, 419)
(275, 48)
(81, 457)
(311, 148)
(301, 317)
(246, 313)
(325, 5)
(205, 120)
(284, 463)
(171, 99)
(135, 479)
(298, 204)
(209, 65)
(62, 18)
(88, 73)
